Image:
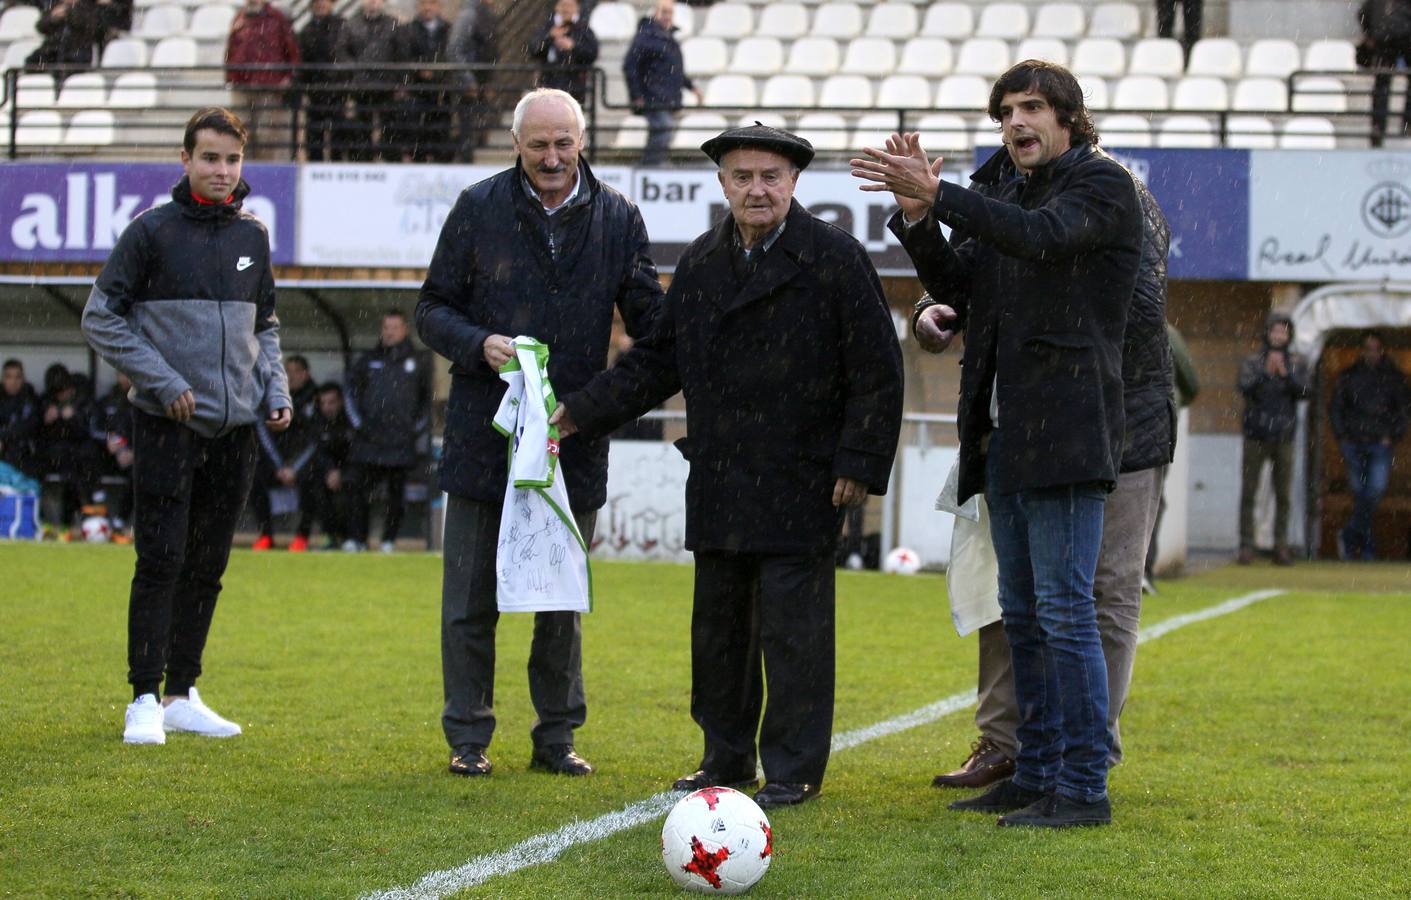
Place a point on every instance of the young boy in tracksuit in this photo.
(184, 307)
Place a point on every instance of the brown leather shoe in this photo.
(986, 765)
(1245, 557)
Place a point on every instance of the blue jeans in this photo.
(1368, 471)
(1046, 542)
(661, 125)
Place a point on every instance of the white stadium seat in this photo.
(162, 21)
(1187, 131)
(1059, 20)
(818, 57)
(873, 129)
(211, 22)
(731, 90)
(704, 56)
(125, 53)
(90, 128)
(174, 53)
(731, 21)
(1104, 57)
(631, 134)
(1325, 94)
(18, 52)
(898, 21)
(987, 134)
(134, 90)
(1216, 57)
(1330, 56)
(783, 20)
(825, 131)
(1122, 21)
(1045, 48)
(905, 92)
(83, 89)
(1095, 94)
(931, 57)
(772, 119)
(684, 20)
(1201, 93)
(838, 20)
(874, 57)
(982, 56)
(850, 91)
(943, 133)
(39, 128)
(793, 91)
(963, 92)
(34, 90)
(1157, 56)
(1260, 95)
(1141, 92)
(1250, 133)
(953, 21)
(1125, 130)
(613, 21)
(17, 23)
(1007, 21)
(1299, 133)
(695, 128)
(1271, 57)
(758, 56)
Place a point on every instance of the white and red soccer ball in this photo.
(902, 561)
(97, 530)
(717, 841)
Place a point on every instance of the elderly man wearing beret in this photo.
(776, 331)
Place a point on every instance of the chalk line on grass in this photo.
(549, 846)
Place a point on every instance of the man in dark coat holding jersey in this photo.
(776, 330)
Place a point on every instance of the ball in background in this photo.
(96, 530)
(717, 841)
(902, 561)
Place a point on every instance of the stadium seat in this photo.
(39, 128)
(1095, 94)
(631, 134)
(134, 90)
(695, 128)
(731, 90)
(1006, 21)
(613, 21)
(731, 21)
(953, 21)
(1325, 94)
(982, 56)
(1125, 130)
(783, 20)
(1187, 131)
(17, 23)
(772, 119)
(1250, 133)
(1202, 93)
(1103, 57)
(969, 93)
(90, 128)
(758, 56)
(1299, 133)
(211, 22)
(16, 53)
(704, 56)
(898, 21)
(987, 134)
(904, 92)
(1141, 92)
(1122, 21)
(1271, 57)
(943, 133)
(83, 90)
(1059, 20)
(825, 131)
(685, 21)
(818, 57)
(1157, 56)
(1330, 56)
(1260, 95)
(838, 20)
(874, 57)
(1051, 49)
(873, 129)
(174, 53)
(850, 91)
(1217, 58)
(931, 57)
(125, 53)
(33, 91)
(158, 22)
(789, 91)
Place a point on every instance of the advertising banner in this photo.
(1318, 216)
(74, 212)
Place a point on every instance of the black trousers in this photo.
(469, 615)
(324, 133)
(362, 479)
(756, 615)
(189, 493)
(1192, 15)
(307, 481)
(1387, 56)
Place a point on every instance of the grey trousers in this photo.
(1128, 519)
(1252, 459)
(468, 619)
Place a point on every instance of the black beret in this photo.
(795, 148)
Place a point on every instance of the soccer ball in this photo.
(96, 530)
(902, 561)
(717, 841)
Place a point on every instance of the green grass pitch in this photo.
(1267, 749)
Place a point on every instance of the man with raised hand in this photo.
(184, 307)
(542, 249)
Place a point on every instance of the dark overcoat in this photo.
(792, 378)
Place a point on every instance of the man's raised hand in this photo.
(904, 169)
(935, 328)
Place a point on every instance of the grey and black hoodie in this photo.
(186, 302)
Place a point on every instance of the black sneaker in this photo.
(1058, 811)
(1004, 797)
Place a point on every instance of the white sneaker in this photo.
(388, 546)
(854, 561)
(196, 717)
(142, 723)
(351, 546)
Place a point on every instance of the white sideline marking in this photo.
(547, 847)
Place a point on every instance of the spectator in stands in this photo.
(367, 40)
(424, 121)
(260, 35)
(474, 41)
(67, 453)
(1191, 15)
(323, 91)
(565, 46)
(71, 29)
(1386, 44)
(285, 462)
(389, 404)
(112, 425)
(115, 17)
(656, 75)
(562, 251)
(334, 434)
(1272, 381)
(19, 419)
(1368, 412)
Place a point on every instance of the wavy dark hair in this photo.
(217, 119)
(1056, 85)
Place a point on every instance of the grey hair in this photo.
(540, 94)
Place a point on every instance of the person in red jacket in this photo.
(262, 35)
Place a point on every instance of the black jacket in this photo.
(334, 439)
(494, 272)
(1370, 403)
(792, 378)
(1385, 21)
(415, 42)
(388, 400)
(294, 446)
(19, 420)
(70, 39)
(1271, 401)
(558, 66)
(655, 70)
(368, 40)
(1043, 284)
(318, 44)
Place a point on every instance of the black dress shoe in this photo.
(1058, 811)
(785, 793)
(470, 759)
(1002, 798)
(704, 778)
(560, 759)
